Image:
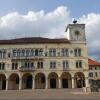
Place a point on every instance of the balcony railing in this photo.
(26, 68)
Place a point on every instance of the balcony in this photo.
(26, 69)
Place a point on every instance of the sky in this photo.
(49, 18)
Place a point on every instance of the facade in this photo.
(42, 63)
(94, 73)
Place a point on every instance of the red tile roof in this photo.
(93, 63)
(28, 40)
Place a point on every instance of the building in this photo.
(43, 63)
(94, 72)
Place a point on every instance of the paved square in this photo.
(47, 95)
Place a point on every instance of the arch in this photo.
(53, 80)
(40, 81)
(13, 81)
(66, 80)
(79, 79)
(2, 82)
(27, 81)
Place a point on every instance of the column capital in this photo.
(72, 77)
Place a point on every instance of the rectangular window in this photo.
(2, 66)
(64, 52)
(95, 68)
(77, 52)
(14, 66)
(52, 64)
(96, 74)
(40, 64)
(65, 64)
(2, 54)
(36, 52)
(79, 64)
(90, 68)
(90, 74)
(52, 52)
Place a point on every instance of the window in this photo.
(14, 53)
(64, 52)
(90, 74)
(52, 64)
(40, 64)
(2, 54)
(23, 53)
(36, 52)
(14, 66)
(65, 64)
(41, 52)
(90, 68)
(18, 53)
(2, 66)
(52, 52)
(77, 52)
(32, 52)
(95, 68)
(27, 53)
(96, 74)
(78, 64)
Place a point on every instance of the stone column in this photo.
(60, 84)
(73, 83)
(6, 84)
(86, 82)
(20, 83)
(46, 86)
(33, 83)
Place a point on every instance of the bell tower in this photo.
(76, 32)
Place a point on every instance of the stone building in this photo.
(94, 72)
(44, 63)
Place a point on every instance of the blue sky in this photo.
(49, 18)
(77, 7)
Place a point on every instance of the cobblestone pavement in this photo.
(47, 95)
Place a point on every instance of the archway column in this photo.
(60, 83)
(6, 84)
(86, 82)
(46, 86)
(20, 83)
(73, 83)
(33, 83)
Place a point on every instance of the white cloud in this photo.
(92, 22)
(34, 23)
(51, 24)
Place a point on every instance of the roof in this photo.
(71, 25)
(28, 40)
(93, 63)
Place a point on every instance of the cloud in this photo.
(92, 22)
(51, 24)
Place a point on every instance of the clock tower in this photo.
(76, 32)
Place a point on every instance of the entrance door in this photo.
(29, 82)
(52, 83)
(65, 83)
(79, 84)
(4, 84)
